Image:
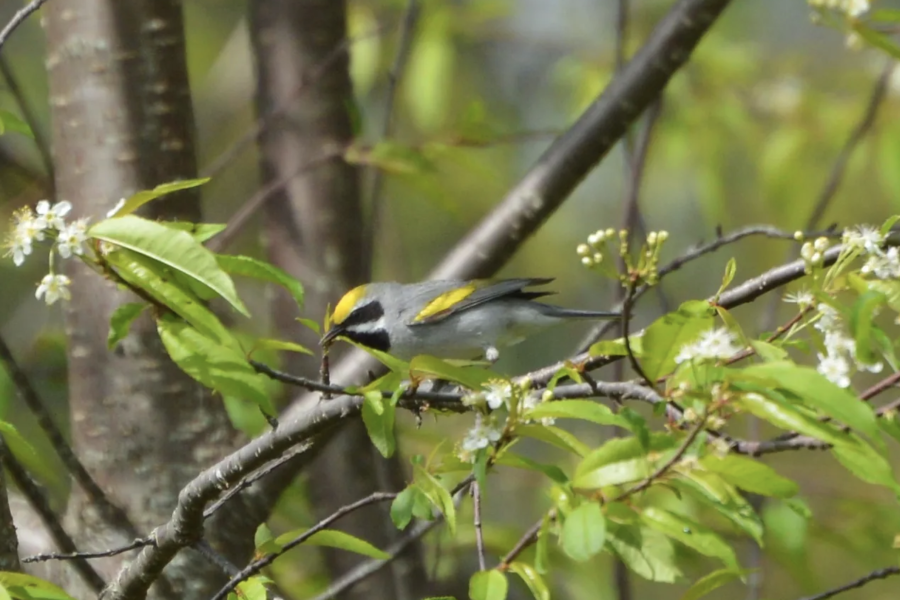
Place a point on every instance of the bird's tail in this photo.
(574, 313)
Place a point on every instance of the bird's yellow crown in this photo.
(346, 304)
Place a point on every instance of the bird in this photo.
(448, 319)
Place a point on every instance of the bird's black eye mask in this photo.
(368, 313)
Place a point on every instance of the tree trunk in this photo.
(313, 229)
(122, 121)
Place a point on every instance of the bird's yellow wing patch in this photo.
(446, 301)
(345, 305)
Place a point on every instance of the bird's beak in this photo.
(331, 334)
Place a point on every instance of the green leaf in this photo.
(768, 405)
(725, 499)
(200, 231)
(866, 463)
(143, 197)
(4, 595)
(35, 587)
(437, 495)
(402, 507)
(728, 277)
(26, 454)
(877, 39)
(768, 352)
(121, 320)
(264, 542)
(577, 409)
(617, 347)
(532, 579)
(471, 377)
(176, 249)
(270, 344)
(584, 532)
(666, 336)
(542, 547)
(890, 424)
(216, 366)
(817, 391)
(749, 474)
(554, 436)
(510, 459)
(710, 582)
(884, 15)
(333, 538)
(646, 552)
(10, 122)
(861, 326)
(488, 585)
(310, 324)
(391, 362)
(257, 269)
(621, 460)
(155, 279)
(253, 588)
(690, 533)
(378, 416)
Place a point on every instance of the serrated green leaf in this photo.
(711, 582)
(143, 197)
(216, 366)
(471, 377)
(865, 462)
(402, 507)
(156, 280)
(121, 320)
(665, 337)
(271, 344)
(176, 249)
(9, 122)
(749, 474)
(34, 586)
(621, 460)
(554, 436)
(510, 459)
(728, 277)
(715, 492)
(818, 392)
(577, 409)
(437, 495)
(332, 538)
(532, 579)
(257, 269)
(253, 588)
(310, 324)
(645, 551)
(488, 585)
(378, 416)
(690, 533)
(264, 541)
(584, 532)
(200, 231)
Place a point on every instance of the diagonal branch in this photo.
(19, 18)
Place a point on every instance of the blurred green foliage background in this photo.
(748, 134)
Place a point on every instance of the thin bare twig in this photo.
(215, 557)
(19, 18)
(138, 543)
(529, 537)
(39, 503)
(111, 513)
(257, 565)
(873, 576)
(479, 534)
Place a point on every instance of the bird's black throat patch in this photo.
(377, 340)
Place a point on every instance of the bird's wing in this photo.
(475, 293)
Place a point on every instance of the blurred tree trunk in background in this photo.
(9, 543)
(123, 121)
(313, 229)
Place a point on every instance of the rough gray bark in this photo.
(313, 229)
(9, 541)
(122, 121)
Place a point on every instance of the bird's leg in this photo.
(491, 354)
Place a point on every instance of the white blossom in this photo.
(52, 216)
(497, 393)
(712, 344)
(26, 230)
(802, 298)
(484, 433)
(830, 319)
(53, 287)
(71, 238)
(836, 369)
(883, 265)
(863, 237)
